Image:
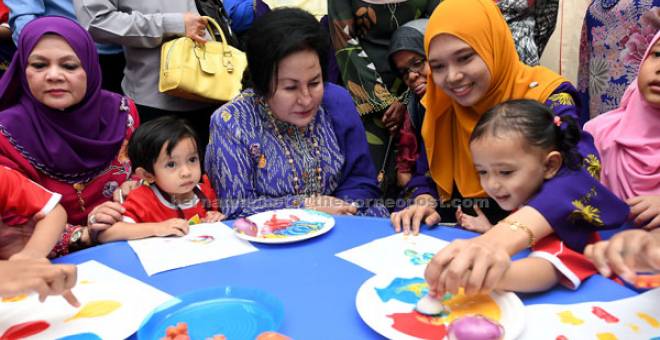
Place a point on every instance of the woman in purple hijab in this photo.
(61, 130)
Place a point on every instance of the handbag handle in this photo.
(210, 24)
(226, 51)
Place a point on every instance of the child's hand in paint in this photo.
(627, 253)
(26, 276)
(171, 227)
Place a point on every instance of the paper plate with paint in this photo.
(387, 304)
(235, 312)
(283, 226)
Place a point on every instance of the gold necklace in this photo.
(315, 187)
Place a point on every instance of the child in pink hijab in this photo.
(628, 140)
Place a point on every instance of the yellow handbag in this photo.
(207, 72)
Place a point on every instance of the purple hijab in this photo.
(73, 145)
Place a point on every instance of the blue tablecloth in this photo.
(316, 287)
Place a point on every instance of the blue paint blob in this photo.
(81, 336)
(404, 290)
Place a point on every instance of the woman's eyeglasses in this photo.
(416, 65)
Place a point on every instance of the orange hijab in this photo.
(448, 125)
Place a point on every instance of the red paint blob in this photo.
(601, 313)
(418, 325)
(561, 337)
(25, 329)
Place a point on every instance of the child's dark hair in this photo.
(149, 138)
(276, 35)
(536, 123)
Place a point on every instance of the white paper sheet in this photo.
(638, 318)
(204, 243)
(397, 253)
(126, 300)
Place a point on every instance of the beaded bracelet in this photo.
(515, 226)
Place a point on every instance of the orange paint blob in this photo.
(272, 336)
(606, 336)
(649, 319)
(14, 298)
(567, 317)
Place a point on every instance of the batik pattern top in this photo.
(532, 23)
(361, 33)
(251, 173)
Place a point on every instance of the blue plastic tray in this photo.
(235, 312)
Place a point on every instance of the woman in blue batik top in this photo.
(291, 140)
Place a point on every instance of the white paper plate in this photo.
(303, 224)
(374, 311)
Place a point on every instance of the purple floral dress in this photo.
(614, 39)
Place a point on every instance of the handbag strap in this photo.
(226, 57)
(210, 24)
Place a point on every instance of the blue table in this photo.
(316, 287)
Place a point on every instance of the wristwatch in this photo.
(76, 239)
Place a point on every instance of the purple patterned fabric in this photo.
(614, 38)
(248, 168)
(72, 145)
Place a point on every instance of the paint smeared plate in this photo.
(387, 304)
(235, 312)
(288, 225)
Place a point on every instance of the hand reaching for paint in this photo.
(213, 216)
(475, 264)
(626, 253)
(479, 223)
(171, 227)
(26, 276)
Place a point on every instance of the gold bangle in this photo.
(515, 226)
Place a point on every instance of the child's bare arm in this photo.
(47, 232)
(529, 275)
(131, 231)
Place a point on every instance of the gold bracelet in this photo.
(515, 226)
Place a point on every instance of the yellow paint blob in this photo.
(14, 298)
(416, 288)
(606, 336)
(649, 319)
(634, 327)
(95, 309)
(461, 305)
(85, 282)
(194, 220)
(567, 317)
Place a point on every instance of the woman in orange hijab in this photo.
(474, 66)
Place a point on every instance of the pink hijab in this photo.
(628, 140)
